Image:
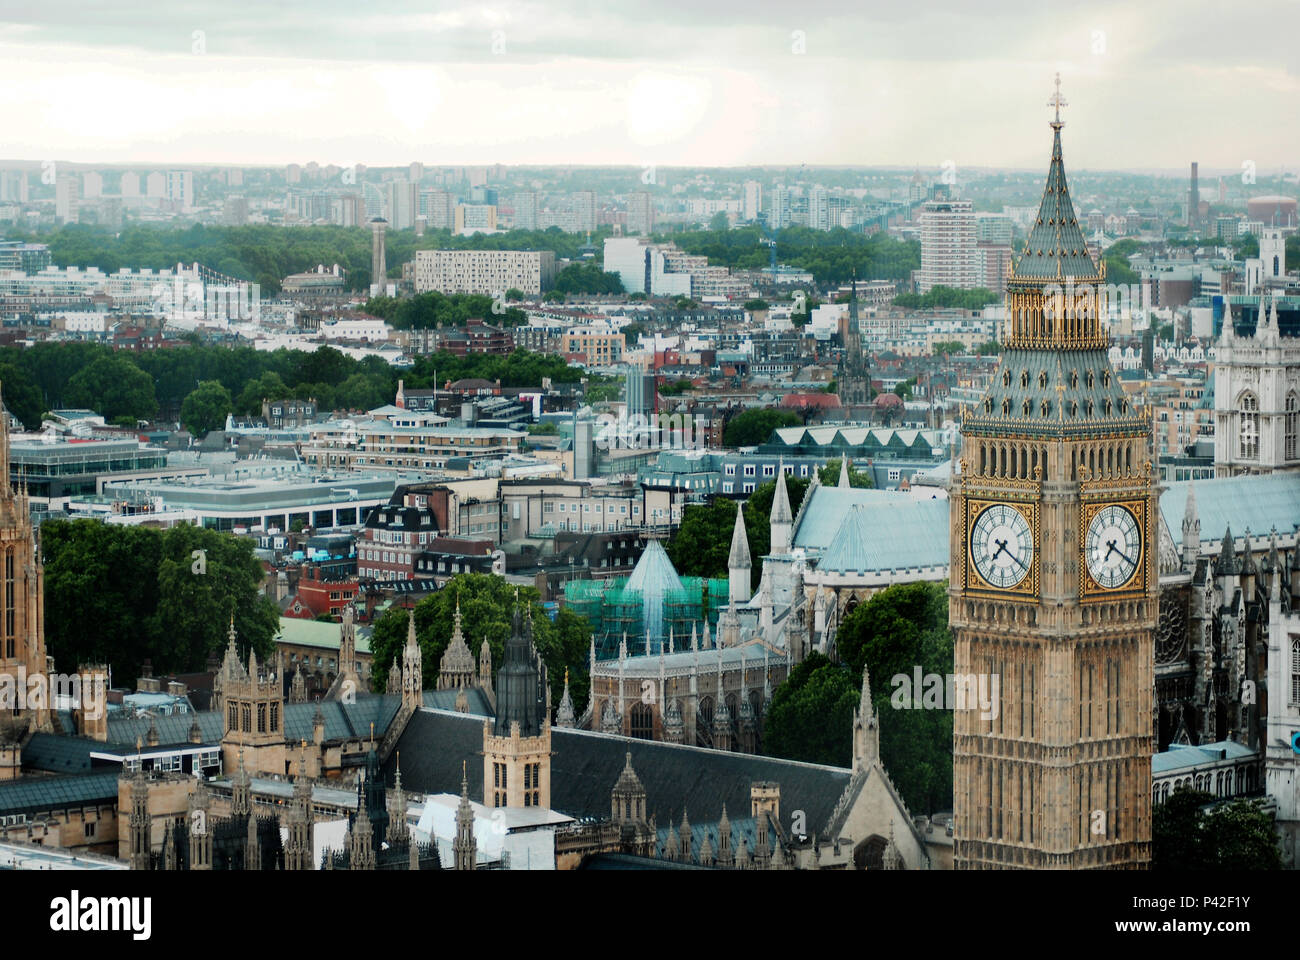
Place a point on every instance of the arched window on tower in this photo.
(1291, 426)
(1295, 669)
(1248, 426)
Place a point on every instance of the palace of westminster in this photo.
(1135, 656)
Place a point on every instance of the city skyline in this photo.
(519, 85)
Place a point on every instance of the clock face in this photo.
(1113, 547)
(1002, 546)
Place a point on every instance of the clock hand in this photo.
(1002, 545)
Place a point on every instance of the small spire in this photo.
(844, 473)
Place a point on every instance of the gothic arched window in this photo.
(643, 721)
(1248, 425)
(1295, 669)
(1292, 423)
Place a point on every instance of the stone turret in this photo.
(739, 564)
(1191, 531)
(457, 666)
(565, 716)
(782, 520)
(464, 847)
(866, 729)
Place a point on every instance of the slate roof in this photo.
(586, 764)
(38, 794)
(1260, 502)
(1056, 247)
(59, 754)
(343, 721)
(1079, 410)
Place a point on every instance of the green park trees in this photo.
(753, 427)
(120, 595)
(206, 407)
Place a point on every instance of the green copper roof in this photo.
(1056, 247)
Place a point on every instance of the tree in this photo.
(166, 596)
(514, 293)
(206, 408)
(945, 347)
(487, 606)
(753, 427)
(1192, 831)
(754, 306)
(830, 475)
(21, 396)
(114, 387)
(719, 223)
(989, 348)
(810, 717)
(900, 629)
(552, 296)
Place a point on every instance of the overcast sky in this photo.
(665, 82)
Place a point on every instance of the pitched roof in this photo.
(1056, 247)
(37, 794)
(889, 536)
(586, 765)
(1260, 502)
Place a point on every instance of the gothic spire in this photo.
(844, 473)
(739, 556)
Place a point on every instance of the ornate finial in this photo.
(372, 734)
(1057, 102)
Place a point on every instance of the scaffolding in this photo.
(616, 610)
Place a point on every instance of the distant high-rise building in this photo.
(641, 213)
(949, 256)
(415, 172)
(378, 264)
(92, 185)
(180, 189)
(293, 173)
(525, 202)
(348, 210)
(1194, 202)
(753, 200)
(234, 212)
(778, 214)
(484, 271)
(129, 185)
(234, 177)
(916, 189)
(400, 204)
(819, 210)
(995, 228)
(67, 197)
(437, 208)
(584, 211)
(156, 186)
(13, 186)
(475, 218)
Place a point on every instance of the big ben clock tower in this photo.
(1053, 577)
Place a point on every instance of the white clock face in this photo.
(1002, 546)
(1113, 547)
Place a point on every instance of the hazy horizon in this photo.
(672, 84)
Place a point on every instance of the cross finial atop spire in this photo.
(1057, 102)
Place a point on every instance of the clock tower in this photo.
(1053, 589)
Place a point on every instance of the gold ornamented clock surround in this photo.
(1136, 585)
(974, 585)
